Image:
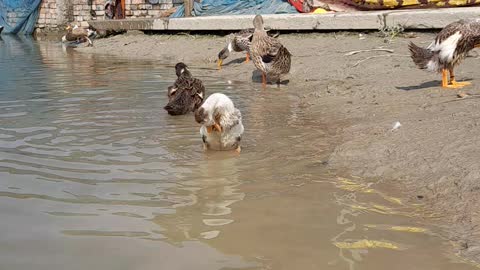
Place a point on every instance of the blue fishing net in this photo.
(237, 7)
(19, 16)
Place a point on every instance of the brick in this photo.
(165, 6)
(154, 12)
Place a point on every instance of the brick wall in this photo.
(57, 13)
(49, 17)
(143, 9)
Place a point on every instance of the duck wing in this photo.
(273, 49)
(79, 32)
(193, 85)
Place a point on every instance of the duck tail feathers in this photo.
(423, 58)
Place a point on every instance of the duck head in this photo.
(181, 69)
(224, 53)
(203, 117)
(258, 22)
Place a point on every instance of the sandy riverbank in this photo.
(433, 155)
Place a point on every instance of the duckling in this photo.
(186, 94)
(77, 34)
(222, 126)
(268, 54)
(449, 48)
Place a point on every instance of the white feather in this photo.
(432, 65)
(90, 32)
(230, 47)
(447, 47)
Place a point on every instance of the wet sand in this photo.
(433, 157)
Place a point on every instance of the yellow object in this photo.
(410, 2)
(365, 244)
(390, 3)
(319, 11)
(409, 229)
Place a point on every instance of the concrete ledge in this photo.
(430, 18)
(365, 20)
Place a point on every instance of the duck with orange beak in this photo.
(222, 126)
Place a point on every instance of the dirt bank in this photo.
(433, 155)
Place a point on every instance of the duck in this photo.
(446, 52)
(77, 34)
(268, 54)
(240, 42)
(222, 126)
(186, 94)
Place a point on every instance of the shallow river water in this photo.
(95, 175)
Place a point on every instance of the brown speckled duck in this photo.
(239, 43)
(268, 54)
(77, 34)
(186, 94)
(450, 46)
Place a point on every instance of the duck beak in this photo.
(217, 127)
(219, 63)
(209, 129)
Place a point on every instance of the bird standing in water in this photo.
(77, 34)
(448, 49)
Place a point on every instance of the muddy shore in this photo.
(433, 155)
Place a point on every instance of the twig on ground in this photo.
(372, 50)
(376, 56)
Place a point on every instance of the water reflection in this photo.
(91, 166)
(212, 189)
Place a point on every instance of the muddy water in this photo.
(95, 175)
